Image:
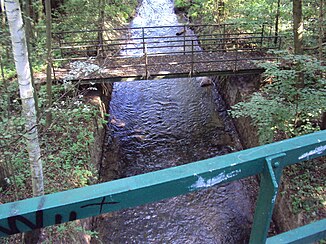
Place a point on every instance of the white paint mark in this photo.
(202, 183)
(274, 198)
(317, 150)
(234, 164)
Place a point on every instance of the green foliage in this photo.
(281, 106)
(307, 187)
(255, 12)
(65, 144)
(67, 233)
(115, 14)
(216, 11)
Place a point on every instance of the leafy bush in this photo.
(281, 106)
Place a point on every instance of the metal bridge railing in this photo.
(224, 49)
(267, 161)
(221, 39)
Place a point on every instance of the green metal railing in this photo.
(266, 161)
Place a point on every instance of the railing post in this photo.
(146, 63)
(192, 58)
(100, 42)
(236, 55)
(269, 184)
(143, 38)
(184, 40)
(279, 42)
(224, 46)
(262, 37)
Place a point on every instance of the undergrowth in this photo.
(308, 188)
(281, 109)
(65, 146)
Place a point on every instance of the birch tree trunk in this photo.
(19, 47)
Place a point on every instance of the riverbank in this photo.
(290, 211)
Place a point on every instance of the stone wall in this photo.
(233, 90)
(100, 98)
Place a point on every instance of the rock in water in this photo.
(180, 33)
(205, 81)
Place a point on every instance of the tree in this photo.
(101, 5)
(29, 36)
(277, 19)
(298, 27)
(49, 61)
(321, 30)
(26, 91)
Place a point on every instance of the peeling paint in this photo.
(274, 198)
(317, 150)
(202, 183)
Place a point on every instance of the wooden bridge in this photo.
(151, 53)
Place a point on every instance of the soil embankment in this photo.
(235, 89)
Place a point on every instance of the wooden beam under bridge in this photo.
(166, 76)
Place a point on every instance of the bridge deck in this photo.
(164, 66)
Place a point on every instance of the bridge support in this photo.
(269, 184)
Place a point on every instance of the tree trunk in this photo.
(321, 30)
(298, 40)
(297, 27)
(49, 62)
(27, 19)
(3, 24)
(5, 84)
(3, 20)
(29, 33)
(19, 48)
(277, 19)
(101, 4)
(323, 121)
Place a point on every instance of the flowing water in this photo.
(164, 123)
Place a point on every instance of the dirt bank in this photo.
(233, 90)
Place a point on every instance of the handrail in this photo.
(267, 161)
(224, 36)
(212, 43)
(165, 39)
(235, 50)
(190, 26)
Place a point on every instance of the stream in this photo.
(155, 124)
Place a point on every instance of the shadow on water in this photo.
(159, 124)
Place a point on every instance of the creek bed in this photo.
(159, 124)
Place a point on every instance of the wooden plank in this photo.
(168, 66)
(169, 76)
